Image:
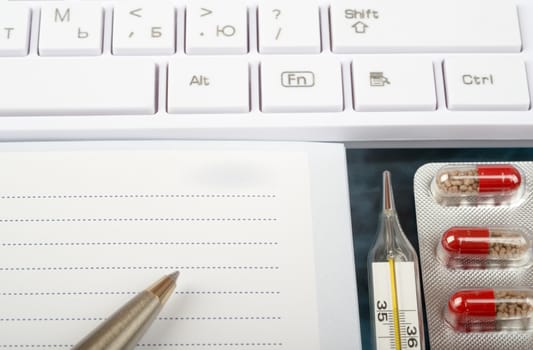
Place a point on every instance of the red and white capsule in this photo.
(457, 182)
(497, 246)
(479, 310)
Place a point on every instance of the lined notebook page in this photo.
(82, 232)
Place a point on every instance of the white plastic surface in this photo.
(357, 129)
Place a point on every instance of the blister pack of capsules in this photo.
(475, 225)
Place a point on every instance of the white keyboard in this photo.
(365, 72)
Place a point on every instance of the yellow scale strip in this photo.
(395, 311)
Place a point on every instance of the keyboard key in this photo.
(14, 30)
(77, 86)
(425, 26)
(289, 27)
(393, 83)
(214, 26)
(75, 29)
(208, 85)
(144, 28)
(301, 84)
(486, 83)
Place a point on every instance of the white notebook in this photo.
(260, 233)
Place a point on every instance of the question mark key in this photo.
(286, 27)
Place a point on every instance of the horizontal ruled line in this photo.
(156, 195)
(150, 345)
(32, 244)
(70, 268)
(208, 344)
(169, 318)
(200, 292)
(41, 220)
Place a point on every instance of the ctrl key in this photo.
(486, 83)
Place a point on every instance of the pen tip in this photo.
(174, 276)
(164, 287)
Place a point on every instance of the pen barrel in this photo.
(123, 329)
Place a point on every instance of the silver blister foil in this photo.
(441, 282)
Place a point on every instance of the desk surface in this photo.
(365, 168)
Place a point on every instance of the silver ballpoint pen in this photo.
(123, 329)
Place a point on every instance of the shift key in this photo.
(73, 86)
(392, 26)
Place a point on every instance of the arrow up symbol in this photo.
(360, 27)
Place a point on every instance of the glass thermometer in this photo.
(394, 283)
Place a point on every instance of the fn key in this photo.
(298, 84)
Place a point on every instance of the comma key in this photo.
(143, 28)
